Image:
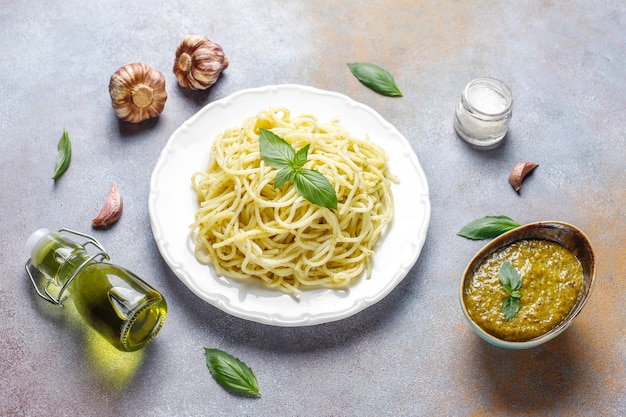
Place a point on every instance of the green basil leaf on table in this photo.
(376, 78)
(64, 155)
(231, 373)
(487, 227)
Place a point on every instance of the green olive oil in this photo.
(115, 302)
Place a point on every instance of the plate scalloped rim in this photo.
(172, 204)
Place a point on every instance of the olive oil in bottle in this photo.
(115, 302)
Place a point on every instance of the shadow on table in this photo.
(210, 319)
(542, 379)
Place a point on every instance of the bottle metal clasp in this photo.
(44, 292)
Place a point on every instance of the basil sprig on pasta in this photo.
(310, 184)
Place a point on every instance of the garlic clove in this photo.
(137, 92)
(199, 62)
(112, 209)
(518, 173)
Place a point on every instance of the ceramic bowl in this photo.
(566, 235)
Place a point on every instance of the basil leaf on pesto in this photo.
(64, 155)
(376, 78)
(509, 278)
(231, 373)
(511, 283)
(510, 308)
(487, 227)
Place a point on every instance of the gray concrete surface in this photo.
(412, 354)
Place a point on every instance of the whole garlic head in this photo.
(199, 62)
(137, 92)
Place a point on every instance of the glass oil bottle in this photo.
(119, 305)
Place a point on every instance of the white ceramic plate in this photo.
(172, 204)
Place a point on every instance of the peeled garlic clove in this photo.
(137, 92)
(199, 62)
(112, 209)
(518, 173)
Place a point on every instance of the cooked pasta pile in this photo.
(249, 230)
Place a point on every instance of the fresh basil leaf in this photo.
(511, 283)
(509, 278)
(275, 151)
(510, 308)
(487, 227)
(299, 158)
(231, 373)
(507, 288)
(310, 184)
(376, 78)
(283, 176)
(64, 155)
(314, 186)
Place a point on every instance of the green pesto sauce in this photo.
(551, 280)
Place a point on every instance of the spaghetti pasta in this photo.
(249, 230)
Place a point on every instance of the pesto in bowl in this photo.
(556, 265)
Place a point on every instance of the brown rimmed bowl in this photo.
(564, 234)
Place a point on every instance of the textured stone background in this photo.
(410, 354)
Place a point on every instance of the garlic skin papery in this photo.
(199, 62)
(137, 92)
(112, 209)
(519, 172)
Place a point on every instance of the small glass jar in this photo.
(482, 117)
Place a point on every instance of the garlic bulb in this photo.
(137, 92)
(199, 62)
